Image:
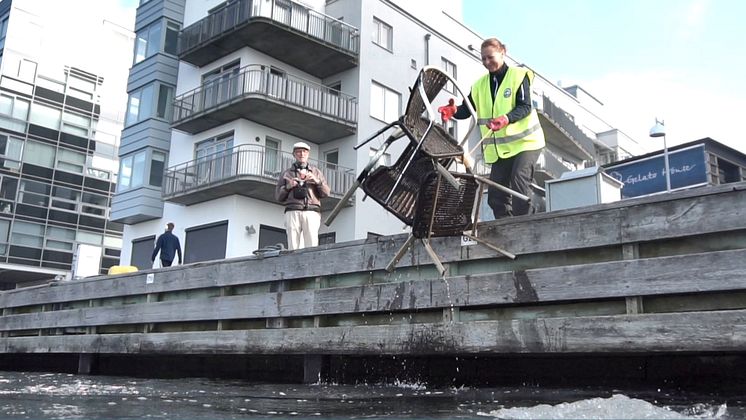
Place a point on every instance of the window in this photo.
(11, 150)
(65, 198)
(70, 161)
(153, 100)
(449, 69)
(205, 243)
(94, 204)
(213, 157)
(13, 113)
(385, 104)
(220, 84)
(60, 238)
(144, 165)
(149, 40)
(76, 124)
(383, 34)
(27, 234)
(172, 38)
(272, 164)
(34, 193)
(332, 159)
(3, 27)
(45, 116)
(327, 238)
(157, 166)
(8, 188)
(269, 236)
(131, 171)
(39, 154)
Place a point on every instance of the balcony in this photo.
(561, 130)
(295, 34)
(248, 170)
(287, 103)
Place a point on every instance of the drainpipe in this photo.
(427, 49)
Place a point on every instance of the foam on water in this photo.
(615, 407)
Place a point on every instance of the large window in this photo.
(149, 40)
(45, 116)
(39, 154)
(383, 34)
(385, 104)
(141, 167)
(153, 100)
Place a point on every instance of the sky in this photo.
(680, 61)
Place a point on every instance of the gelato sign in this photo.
(648, 176)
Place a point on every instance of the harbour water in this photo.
(27, 395)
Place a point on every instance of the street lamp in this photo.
(659, 130)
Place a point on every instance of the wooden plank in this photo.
(712, 331)
(697, 273)
(702, 211)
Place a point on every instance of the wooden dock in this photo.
(661, 276)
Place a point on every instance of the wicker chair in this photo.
(418, 188)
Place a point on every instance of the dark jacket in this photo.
(309, 201)
(167, 244)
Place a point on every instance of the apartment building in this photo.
(60, 120)
(219, 91)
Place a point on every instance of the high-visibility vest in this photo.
(518, 136)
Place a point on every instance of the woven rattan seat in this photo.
(418, 188)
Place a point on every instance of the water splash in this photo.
(616, 407)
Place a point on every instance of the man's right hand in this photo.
(447, 111)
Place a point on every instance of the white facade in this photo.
(397, 38)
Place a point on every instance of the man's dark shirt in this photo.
(167, 244)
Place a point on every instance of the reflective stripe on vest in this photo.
(518, 136)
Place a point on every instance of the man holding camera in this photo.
(301, 188)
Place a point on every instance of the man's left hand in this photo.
(497, 124)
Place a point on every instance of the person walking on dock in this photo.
(300, 188)
(168, 245)
(512, 135)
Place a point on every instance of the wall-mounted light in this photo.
(250, 229)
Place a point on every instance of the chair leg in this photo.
(490, 246)
(434, 257)
(399, 254)
(341, 203)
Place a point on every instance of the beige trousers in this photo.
(302, 228)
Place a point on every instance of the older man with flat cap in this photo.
(301, 188)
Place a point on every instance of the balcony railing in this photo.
(253, 170)
(314, 100)
(230, 29)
